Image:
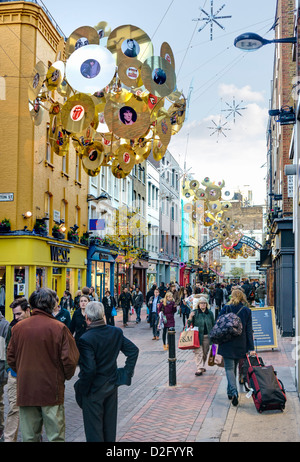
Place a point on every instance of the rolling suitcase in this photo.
(266, 389)
(246, 363)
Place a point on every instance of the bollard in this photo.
(172, 357)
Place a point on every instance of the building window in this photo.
(78, 169)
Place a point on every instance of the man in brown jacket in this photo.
(43, 353)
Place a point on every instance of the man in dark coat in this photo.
(99, 378)
(219, 296)
(138, 301)
(125, 301)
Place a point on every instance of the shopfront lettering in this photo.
(59, 254)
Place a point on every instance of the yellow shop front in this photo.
(28, 262)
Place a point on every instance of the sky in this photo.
(221, 78)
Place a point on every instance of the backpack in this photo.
(227, 326)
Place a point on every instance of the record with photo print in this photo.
(55, 75)
(167, 53)
(158, 76)
(77, 113)
(129, 41)
(36, 81)
(194, 185)
(92, 158)
(158, 149)
(129, 71)
(103, 29)
(62, 142)
(128, 120)
(164, 130)
(117, 171)
(81, 37)
(90, 69)
(125, 156)
(36, 111)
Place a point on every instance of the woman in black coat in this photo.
(236, 349)
(109, 302)
(78, 323)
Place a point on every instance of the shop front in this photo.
(101, 269)
(152, 275)
(28, 262)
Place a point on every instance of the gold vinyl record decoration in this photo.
(36, 111)
(194, 185)
(129, 71)
(117, 171)
(103, 29)
(164, 130)
(55, 75)
(62, 142)
(90, 68)
(158, 76)
(84, 35)
(37, 78)
(125, 157)
(92, 158)
(77, 113)
(128, 120)
(167, 53)
(129, 41)
(159, 149)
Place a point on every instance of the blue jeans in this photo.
(138, 313)
(231, 366)
(153, 323)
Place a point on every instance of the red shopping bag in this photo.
(189, 339)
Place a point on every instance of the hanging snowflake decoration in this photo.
(234, 109)
(218, 128)
(211, 18)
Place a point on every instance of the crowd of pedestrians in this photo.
(86, 336)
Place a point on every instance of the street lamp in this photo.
(103, 196)
(250, 41)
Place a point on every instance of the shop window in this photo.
(41, 277)
(2, 289)
(21, 281)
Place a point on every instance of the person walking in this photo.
(5, 332)
(109, 303)
(61, 314)
(66, 302)
(21, 310)
(76, 299)
(235, 350)
(96, 390)
(203, 318)
(153, 303)
(168, 309)
(260, 294)
(125, 301)
(138, 301)
(43, 353)
(184, 307)
(78, 324)
(219, 297)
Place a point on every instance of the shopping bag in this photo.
(214, 359)
(114, 311)
(189, 339)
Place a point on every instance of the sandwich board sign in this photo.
(264, 327)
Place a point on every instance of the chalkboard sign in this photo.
(264, 327)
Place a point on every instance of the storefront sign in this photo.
(264, 327)
(59, 254)
(6, 197)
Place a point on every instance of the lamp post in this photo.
(251, 41)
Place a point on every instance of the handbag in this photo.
(189, 339)
(227, 326)
(214, 359)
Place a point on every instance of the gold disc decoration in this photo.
(194, 185)
(167, 53)
(92, 158)
(129, 71)
(158, 76)
(90, 68)
(37, 78)
(128, 120)
(55, 75)
(103, 29)
(77, 113)
(129, 41)
(125, 157)
(107, 86)
(83, 36)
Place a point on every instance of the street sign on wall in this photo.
(264, 327)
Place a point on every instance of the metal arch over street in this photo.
(249, 241)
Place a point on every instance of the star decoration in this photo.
(211, 18)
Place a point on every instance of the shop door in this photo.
(100, 286)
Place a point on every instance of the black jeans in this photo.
(100, 414)
(125, 314)
(164, 335)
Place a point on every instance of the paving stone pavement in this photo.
(195, 410)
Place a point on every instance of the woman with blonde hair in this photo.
(168, 308)
(235, 349)
(203, 318)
